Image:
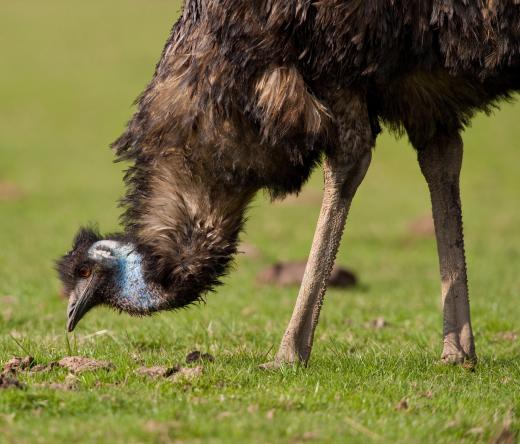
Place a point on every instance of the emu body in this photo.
(252, 95)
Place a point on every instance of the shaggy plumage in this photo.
(241, 101)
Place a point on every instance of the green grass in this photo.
(68, 75)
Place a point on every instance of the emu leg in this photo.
(440, 163)
(341, 183)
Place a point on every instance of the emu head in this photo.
(89, 273)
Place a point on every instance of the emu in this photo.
(254, 95)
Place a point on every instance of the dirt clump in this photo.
(196, 356)
(402, 405)
(17, 364)
(8, 300)
(80, 364)
(291, 273)
(175, 373)
(10, 192)
(188, 373)
(506, 435)
(40, 368)
(158, 371)
(9, 381)
(509, 336)
(248, 250)
(308, 196)
(377, 323)
(422, 227)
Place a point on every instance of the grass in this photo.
(69, 72)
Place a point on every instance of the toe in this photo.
(270, 366)
(453, 357)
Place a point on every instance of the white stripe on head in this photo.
(105, 252)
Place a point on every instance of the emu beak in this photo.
(80, 304)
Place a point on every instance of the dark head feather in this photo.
(68, 265)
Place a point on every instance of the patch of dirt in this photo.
(305, 437)
(7, 314)
(252, 408)
(506, 435)
(40, 368)
(402, 405)
(427, 395)
(451, 424)
(377, 324)
(422, 227)
(16, 364)
(8, 300)
(187, 373)
(510, 336)
(475, 431)
(308, 196)
(291, 273)
(196, 356)
(198, 400)
(249, 251)
(156, 372)
(175, 374)
(270, 414)
(154, 426)
(9, 381)
(10, 192)
(80, 364)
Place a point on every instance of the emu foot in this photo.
(453, 355)
(271, 365)
(286, 357)
(277, 365)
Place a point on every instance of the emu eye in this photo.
(85, 271)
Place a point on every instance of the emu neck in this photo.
(135, 295)
(185, 224)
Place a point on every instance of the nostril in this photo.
(71, 308)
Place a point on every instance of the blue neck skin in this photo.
(134, 289)
(134, 292)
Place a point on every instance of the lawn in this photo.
(69, 73)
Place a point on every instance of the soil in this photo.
(173, 373)
(188, 373)
(402, 405)
(377, 324)
(249, 251)
(422, 227)
(80, 364)
(9, 381)
(8, 300)
(196, 356)
(308, 196)
(16, 364)
(75, 364)
(156, 372)
(43, 367)
(510, 336)
(10, 192)
(291, 274)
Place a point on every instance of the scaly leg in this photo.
(343, 172)
(440, 163)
